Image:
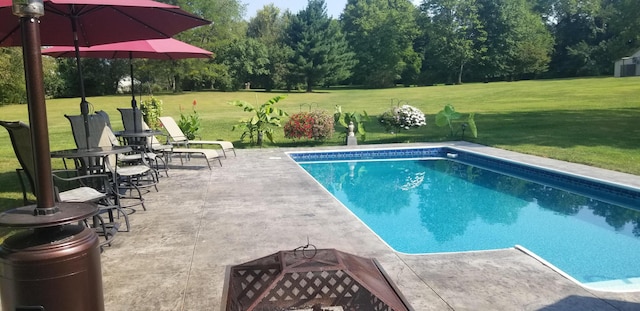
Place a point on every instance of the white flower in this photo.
(403, 117)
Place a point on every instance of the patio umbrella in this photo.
(93, 22)
(169, 49)
(78, 23)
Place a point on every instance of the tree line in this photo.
(373, 44)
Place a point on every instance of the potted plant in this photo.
(265, 118)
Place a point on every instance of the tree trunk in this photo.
(309, 83)
(260, 137)
(460, 73)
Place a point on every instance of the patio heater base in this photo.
(51, 263)
(53, 268)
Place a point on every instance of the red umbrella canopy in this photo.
(154, 48)
(100, 21)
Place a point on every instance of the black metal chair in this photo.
(133, 177)
(69, 185)
(150, 144)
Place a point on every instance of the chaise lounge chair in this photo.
(165, 149)
(177, 137)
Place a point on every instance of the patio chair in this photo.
(136, 155)
(167, 149)
(177, 137)
(133, 177)
(152, 145)
(94, 189)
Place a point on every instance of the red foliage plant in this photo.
(316, 125)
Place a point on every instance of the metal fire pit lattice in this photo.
(323, 279)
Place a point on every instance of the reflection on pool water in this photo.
(440, 205)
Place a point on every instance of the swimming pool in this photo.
(431, 200)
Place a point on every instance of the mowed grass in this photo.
(594, 121)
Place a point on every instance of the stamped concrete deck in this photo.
(260, 202)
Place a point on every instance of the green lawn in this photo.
(594, 121)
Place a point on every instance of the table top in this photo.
(144, 133)
(91, 152)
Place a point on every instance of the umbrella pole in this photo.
(84, 104)
(134, 105)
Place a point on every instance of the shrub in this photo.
(323, 125)
(265, 118)
(151, 111)
(190, 124)
(317, 125)
(403, 117)
(299, 125)
(448, 116)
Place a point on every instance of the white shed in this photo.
(628, 66)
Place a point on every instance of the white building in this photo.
(124, 85)
(628, 66)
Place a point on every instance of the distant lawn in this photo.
(594, 121)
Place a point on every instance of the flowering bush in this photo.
(190, 124)
(316, 125)
(403, 117)
(323, 125)
(299, 125)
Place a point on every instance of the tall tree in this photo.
(624, 24)
(381, 33)
(456, 34)
(100, 76)
(246, 59)
(518, 41)
(581, 35)
(227, 26)
(268, 27)
(319, 49)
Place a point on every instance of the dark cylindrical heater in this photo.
(51, 263)
(56, 268)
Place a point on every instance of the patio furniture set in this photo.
(111, 169)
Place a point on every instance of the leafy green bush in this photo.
(151, 111)
(265, 118)
(448, 115)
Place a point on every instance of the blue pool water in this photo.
(437, 205)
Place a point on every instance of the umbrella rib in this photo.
(141, 23)
(9, 33)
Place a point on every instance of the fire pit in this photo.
(314, 280)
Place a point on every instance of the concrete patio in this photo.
(201, 222)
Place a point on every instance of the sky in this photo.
(334, 7)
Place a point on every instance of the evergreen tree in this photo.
(319, 49)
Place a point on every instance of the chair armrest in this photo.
(99, 182)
